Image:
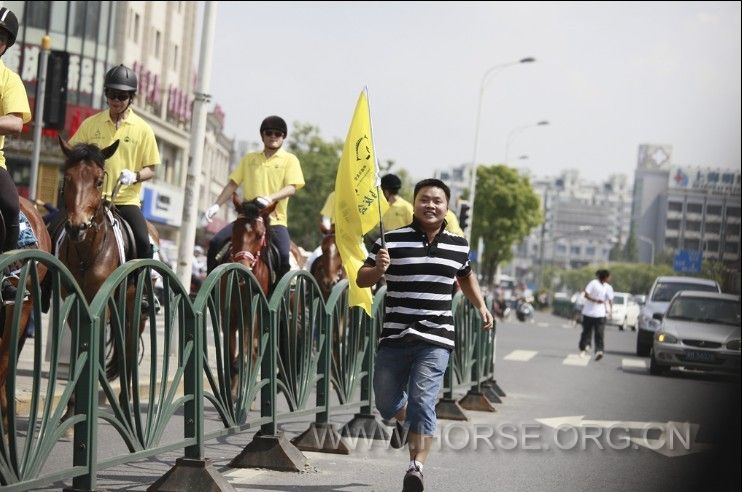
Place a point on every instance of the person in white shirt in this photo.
(598, 295)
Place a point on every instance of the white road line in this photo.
(542, 323)
(633, 364)
(521, 355)
(567, 326)
(576, 360)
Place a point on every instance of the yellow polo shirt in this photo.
(137, 149)
(13, 99)
(260, 177)
(452, 224)
(328, 210)
(398, 215)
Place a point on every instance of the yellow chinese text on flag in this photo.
(357, 200)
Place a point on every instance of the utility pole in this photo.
(198, 130)
(46, 43)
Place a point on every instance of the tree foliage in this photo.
(506, 209)
(319, 162)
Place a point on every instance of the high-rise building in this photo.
(583, 221)
(696, 209)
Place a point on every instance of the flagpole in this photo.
(376, 170)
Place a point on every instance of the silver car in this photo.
(701, 330)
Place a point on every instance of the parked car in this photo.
(701, 330)
(625, 311)
(660, 295)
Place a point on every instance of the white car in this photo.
(625, 312)
(700, 331)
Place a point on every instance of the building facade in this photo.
(583, 221)
(686, 208)
(157, 40)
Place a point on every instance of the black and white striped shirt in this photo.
(419, 284)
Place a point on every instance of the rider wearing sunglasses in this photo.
(136, 156)
(14, 112)
(272, 175)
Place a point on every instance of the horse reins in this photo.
(245, 255)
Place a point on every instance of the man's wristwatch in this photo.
(137, 177)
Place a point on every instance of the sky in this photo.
(607, 78)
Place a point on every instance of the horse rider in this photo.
(326, 226)
(136, 156)
(14, 112)
(272, 176)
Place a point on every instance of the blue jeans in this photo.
(410, 375)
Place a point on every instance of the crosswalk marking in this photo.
(521, 355)
(576, 360)
(633, 364)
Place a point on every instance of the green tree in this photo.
(630, 249)
(506, 210)
(319, 162)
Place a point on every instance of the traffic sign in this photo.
(687, 261)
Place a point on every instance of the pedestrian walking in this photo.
(420, 262)
(598, 295)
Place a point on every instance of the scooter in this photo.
(524, 310)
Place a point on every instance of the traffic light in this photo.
(464, 212)
(55, 95)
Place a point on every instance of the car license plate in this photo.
(698, 356)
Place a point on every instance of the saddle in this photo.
(124, 233)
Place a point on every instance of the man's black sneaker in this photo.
(399, 436)
(413, 481)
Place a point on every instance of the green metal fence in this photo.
(207, 360)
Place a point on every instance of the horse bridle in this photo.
(245, 255)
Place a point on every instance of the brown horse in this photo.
(89, 248)
(7, 310)
(327, 269)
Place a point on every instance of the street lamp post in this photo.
(515, 131)
(473, 169)
(651, 245)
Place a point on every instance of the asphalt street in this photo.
(567, 423)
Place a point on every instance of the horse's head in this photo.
(332, 263)
(250, 231)
(84, 175)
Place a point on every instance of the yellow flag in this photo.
(357, 200)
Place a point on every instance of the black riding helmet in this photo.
(9, 24)
(274, 123)
(121, 78)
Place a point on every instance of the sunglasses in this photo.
(118, 95)
(272, 133)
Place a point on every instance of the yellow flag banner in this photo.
(357, 200)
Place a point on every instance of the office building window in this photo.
(727, 178)
(675, 206)
(673, 224)
(671, 242)
(693, 225)
(733, 229)
(37, 14)
(695, 208)
(731, 247)
(692, 244)
(712, 246)
(733, 211)
(713, 210)
(713, 227)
